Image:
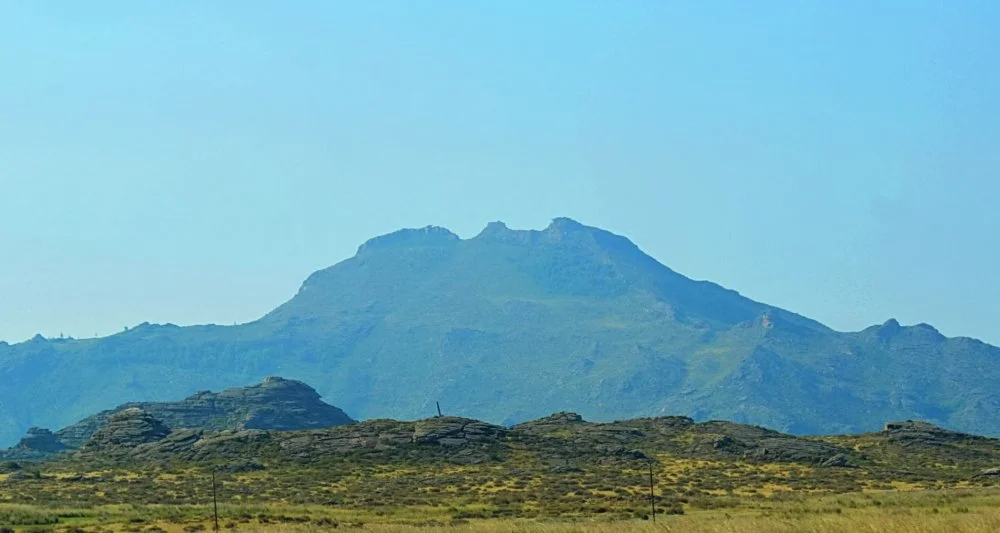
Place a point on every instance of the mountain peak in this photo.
(928, 328)
(889, 329)
(425, 236)
(564, 228)
(566, 225)
(497, 226)
(567, 230)
(498, 231)
(892, 328)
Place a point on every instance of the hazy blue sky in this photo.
(192, 161)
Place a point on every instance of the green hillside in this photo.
(512, 325)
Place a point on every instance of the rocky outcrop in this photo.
(454, 431)
(276, 404)
(992, 473)
(41, 440)
(137, 436)
(37, 444)
(446, 433)
(838, 461)
(564, 443)
(919, 433)
(756, 444)
(128, 429)
(555, 422)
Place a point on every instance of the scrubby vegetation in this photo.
(461, 473)
(921, 511)
(136, 474)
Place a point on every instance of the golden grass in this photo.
(914, 511)
(983, 521)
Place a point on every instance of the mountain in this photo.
(511, 325)
(276, 404)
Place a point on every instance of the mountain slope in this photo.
(511, 325)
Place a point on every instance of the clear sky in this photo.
(193, 162)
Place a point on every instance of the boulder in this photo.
(837, 461)
(990, 473)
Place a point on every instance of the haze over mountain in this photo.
(513, 325)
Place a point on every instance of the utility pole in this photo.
(652, 496)
(215, 502)
(439, 408)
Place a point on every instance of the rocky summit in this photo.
(277, 403)
(37, 443)
(41, 440)
(506, 327)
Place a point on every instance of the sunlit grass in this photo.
(961, 511)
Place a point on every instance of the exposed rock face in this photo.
(276, 404)
(285, 405)
(37, 444)
(552, 422)
(446, 432)
(454, 431)
(128, 429)
(912, 432)
(837, 461)
(910, 426)
(454, 439)
(757, 444)
(457, 440)
(41, 440)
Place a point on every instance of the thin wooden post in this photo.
(439, 408)
(215, 502)
(652, 496)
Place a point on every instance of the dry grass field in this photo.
(919, 511)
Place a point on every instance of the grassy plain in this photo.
(921, 511)
(691, 496)
(554, 475)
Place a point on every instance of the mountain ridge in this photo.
(510, 324)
